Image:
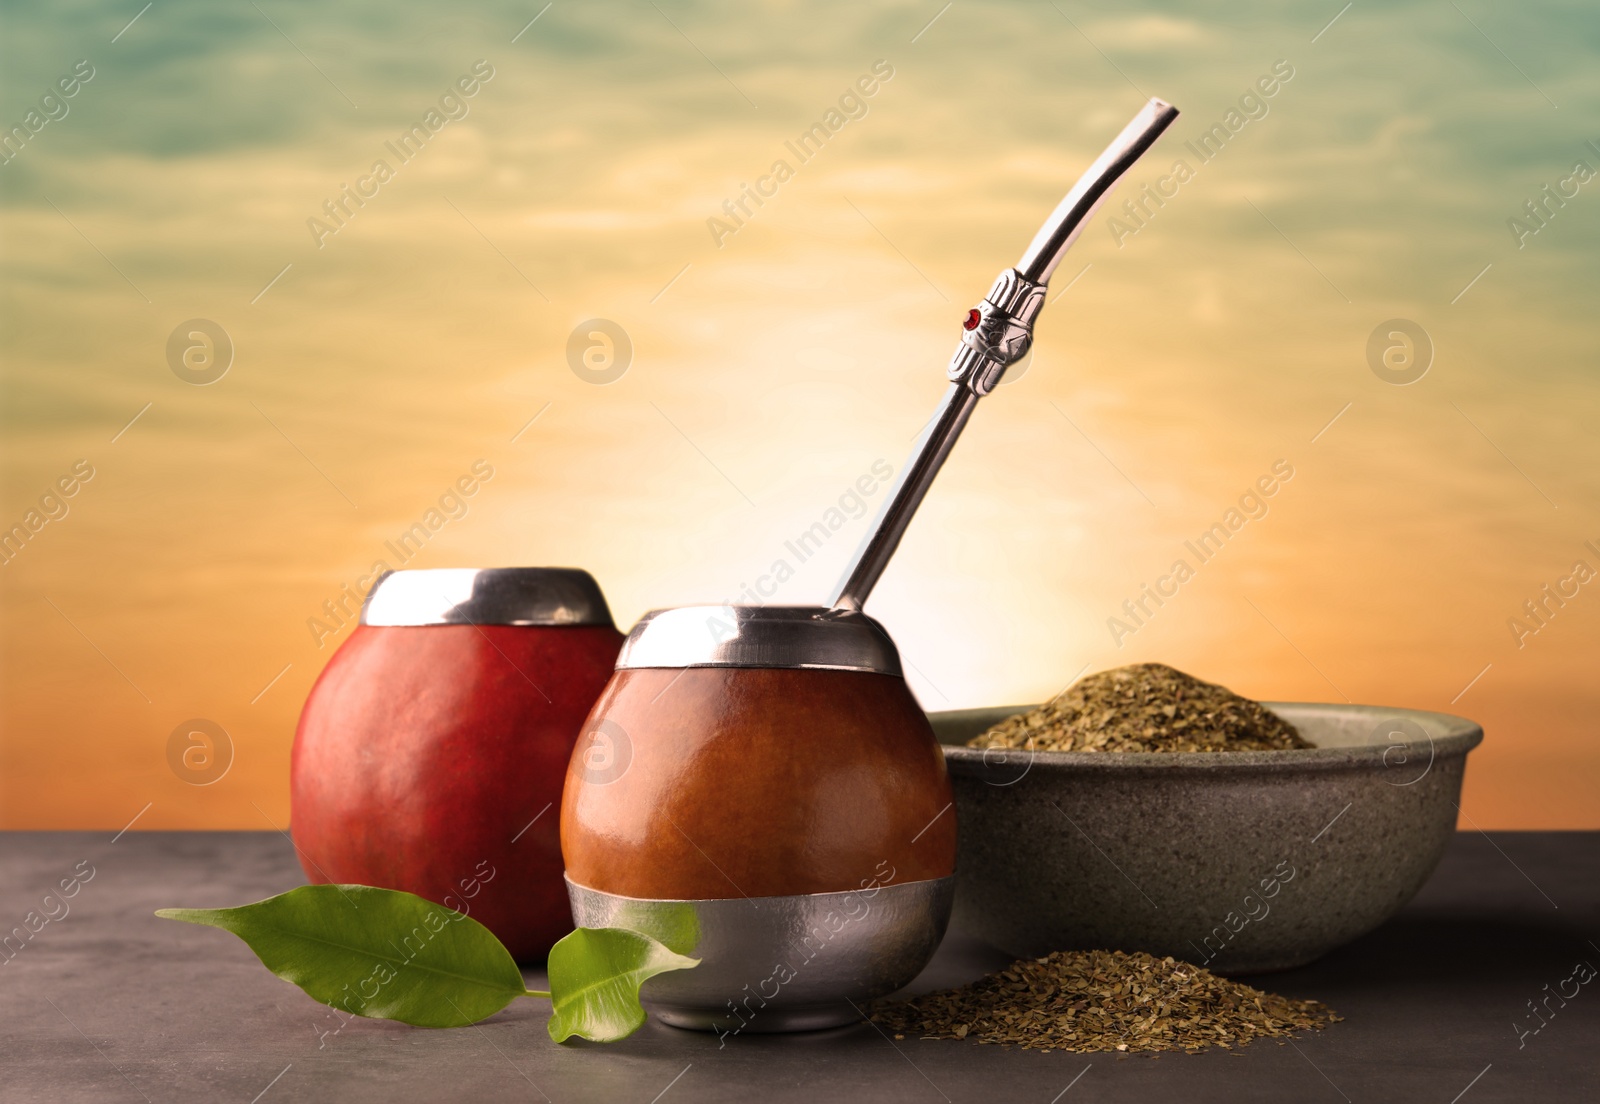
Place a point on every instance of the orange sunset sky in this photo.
(1187, 354)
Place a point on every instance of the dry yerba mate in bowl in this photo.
(1147, 810)
(1145, 707)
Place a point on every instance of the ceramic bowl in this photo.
(1237, 861)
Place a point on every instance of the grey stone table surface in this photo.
(108, 1003)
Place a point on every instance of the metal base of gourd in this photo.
(771, 964)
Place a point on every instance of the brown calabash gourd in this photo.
(715, 782)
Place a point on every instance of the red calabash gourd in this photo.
(430, 757)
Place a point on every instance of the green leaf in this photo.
(395, 956)
(595, 974)
(674, 924)
(376, 952)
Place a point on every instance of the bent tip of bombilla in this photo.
(1064, 225)
(1155, 118)
(1162, 111)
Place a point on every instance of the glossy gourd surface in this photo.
(711, 782)
(431, 759)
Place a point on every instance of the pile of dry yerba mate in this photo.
(1145, 707)
(1103, 1000)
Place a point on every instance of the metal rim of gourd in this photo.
(796, 637)
(535, 596)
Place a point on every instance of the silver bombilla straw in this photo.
(996, 334)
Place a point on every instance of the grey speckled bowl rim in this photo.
(1450, 736)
